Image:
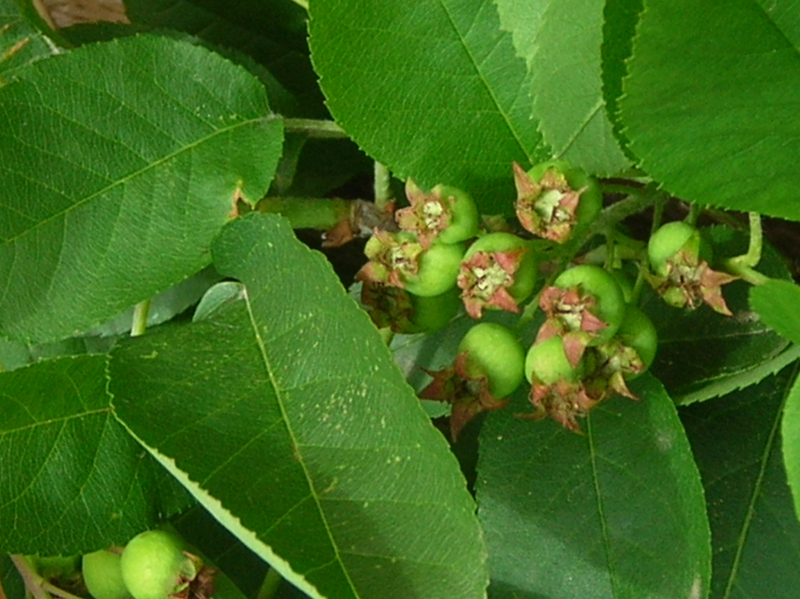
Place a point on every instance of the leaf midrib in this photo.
(140, 172)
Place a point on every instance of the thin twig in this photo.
(33, 582)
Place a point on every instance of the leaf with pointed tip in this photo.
(73, 478)
(615, 513)
(434, 91)
(284, 414)
(710, 102)
(736, 441)
(114, 186)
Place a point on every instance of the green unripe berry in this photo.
(637, 331)
(546, 363)
(438, 270)
(493, 352)
(102, 575)
(154, 565)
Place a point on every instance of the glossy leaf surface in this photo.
(736, 441)
(434, 91)
(286, 417)
(114, 186)
(73, 478)
(710, 102)
(617, 512)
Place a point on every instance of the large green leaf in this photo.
(73, 478)
(433, 90)
(700, 349)
(20, 43)
(790, 429)
(756, 537)
(284, 414)
(564, 59)
(710, 103)
(617, 512)
(114, 185)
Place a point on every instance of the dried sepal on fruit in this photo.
(445, 214)
(488, 368)
(557, 389)
(584, 307)
(399, 259)
(679, 258)
(554, 200)
(498, 272)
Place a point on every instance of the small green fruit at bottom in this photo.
(546, 363)
(102, 575)
(493, 352)
(155, 566)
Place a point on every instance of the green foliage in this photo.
(261, 414)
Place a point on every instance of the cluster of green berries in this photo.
(591, 343)
(417, 277)
(153, 565)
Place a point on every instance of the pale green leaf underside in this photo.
(73, 479)
(564, 59)
(121, 162)
(710, 103)
(20, 43)
(777, 303)
(285, 415)
(756, 537)
(615, 513)
(433, 90)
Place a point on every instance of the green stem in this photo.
(631, 205)
(381, 188)
(140, 312)
(314, 128)
(32, 580)
(270, 585)
(753, 255)
(694, 214)
(308, 213)
(387, 335)
(744, 272)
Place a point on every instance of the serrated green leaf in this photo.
(755, 534)
(285, 416)
(776, 303)
(434, 91)
(790, 431)
(710, 103)
(20, 43)
(566, 85)
(73, 479)
(698, 350)
(114, 186)
(617, 512)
